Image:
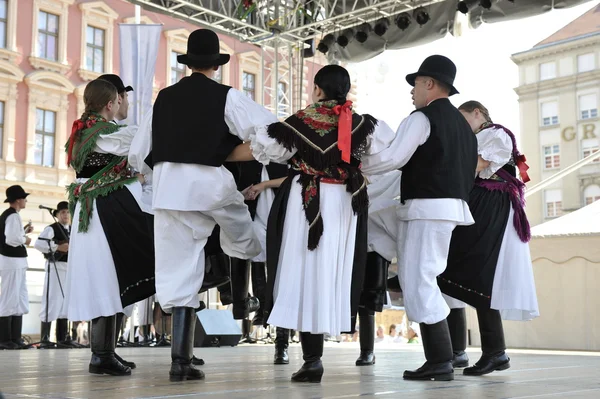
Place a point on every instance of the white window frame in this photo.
(552, 155)
(551, 120)
(588, 113)
(557, 209)
(589, 55)
(45, 133)
(587, 150)
(251, 62)
(587, 198)
(61, 9)
(10, 76)
(547, 75)
(10, 52)
(176, 41)
(100, 16)
(184, 69)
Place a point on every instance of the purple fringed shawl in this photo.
(514, 187)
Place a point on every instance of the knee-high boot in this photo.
(182, 345)
(17, 332)
(5, 333)
(373, 295)
(62, 328)
(102, 343)
(45, 331)
(312, 351)
(240, 281)
(494, 357)
(457, 324)
(366, 331)
(74, 326)
(118, 326)
(438, 353)
(216, 273)
(281, 345)
(259, 289)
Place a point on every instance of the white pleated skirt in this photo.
(312, 288)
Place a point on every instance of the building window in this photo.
(550, 113)
(588, 106)
(3, 22)
(45, 129)
(586, 62)
(282, 100)
(218, 75)
(48, 36)
(551, 156)
(591, 194)
(248, 84)
(548, 70)
(1, 127)
(589, 147)
(177, 69)
(94, 53)
(553, 199)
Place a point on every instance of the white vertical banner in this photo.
(139, 50)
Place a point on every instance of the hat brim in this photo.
(14, 199)
(410, 78)
(128, 88)
(198, 60)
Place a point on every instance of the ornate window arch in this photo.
(10, 76)
(98, 16)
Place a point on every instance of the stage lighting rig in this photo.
(466, 5)
(345, 37)
(326, 43)
(362, 33)
(403, 21)
(421, 16)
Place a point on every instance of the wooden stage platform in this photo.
(247, 372)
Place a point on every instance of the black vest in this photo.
(444, 166)
(59, 238)
(188, 123)
(5, 249)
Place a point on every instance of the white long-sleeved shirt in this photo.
(42, 245)
(15, 237)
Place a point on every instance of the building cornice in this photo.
(559, 47)
(558, 83)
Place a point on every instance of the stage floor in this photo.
(247, 372)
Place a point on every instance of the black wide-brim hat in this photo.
(439, 68)
(203, 50)
(61, 206)
(14, 193)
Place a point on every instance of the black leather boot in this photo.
(118, 327)
(366, 329)
(45, 331)
(393, 284)
(5, 333)
(246, 331)
(197, 361)
(225, 295)
(102, 343)
(438, 352)
(182, 345)
(74, 335)
(374, 290)
(216, 272)
(259, 290)
(312, 351)
(282, 340)
(62, 328)
(457, 324)
(16, 333)
(240, 281)
(494, 357)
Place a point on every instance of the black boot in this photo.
(182, 345)
(366, 330)
(259, 290)
(225, 295)
(312, 351)
(16, 329)
(492, 344)
(374, 290)
(393, 284)
(457, 324)
(118, 328)
(62, 328)
(240, 281)
(45, 331)
(5, 333)
(216, 271)
(281, 346)
(197, 361)
(438, 352)
(102, 343)
(246, 330)
(74, 335)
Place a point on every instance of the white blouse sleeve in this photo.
(242, 115)
(140, 146)
(388, 150)
(266, 149)
(14, 231)
(117, 143)
(42, 245)
(495, 146)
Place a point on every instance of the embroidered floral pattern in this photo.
(320, 117)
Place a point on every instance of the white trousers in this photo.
(14, 298)
(179, 240)
(57, 308)
(423, 247)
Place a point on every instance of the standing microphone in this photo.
(46, 208)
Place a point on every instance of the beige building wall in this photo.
(558, 98)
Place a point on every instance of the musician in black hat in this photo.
(437, 152)
(55, 239)
(196, 124)
(14, 298)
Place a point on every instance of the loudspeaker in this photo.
(216, 328)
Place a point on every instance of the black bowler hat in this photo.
(437, 67)
(116, 81)
(14, 193)
(61, 205)
(203, 50)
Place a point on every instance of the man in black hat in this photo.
(437, 152)
(196, 124)
(55, 239)
(123, 96)
(14, 298)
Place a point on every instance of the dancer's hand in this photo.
(247, 193)
(63, 247)
(141, 178)
(27, 241)
(255, 190)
